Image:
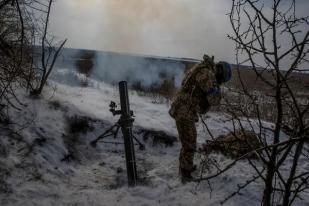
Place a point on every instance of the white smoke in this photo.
(112, 68)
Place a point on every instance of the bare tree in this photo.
(15, 52)
(273, 41)
(49, 53)
(23, 23)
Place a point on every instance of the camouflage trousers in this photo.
(187, 135)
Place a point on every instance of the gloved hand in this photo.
(214, 96)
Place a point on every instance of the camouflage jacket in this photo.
(199, 90)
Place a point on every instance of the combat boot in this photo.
(185, 175)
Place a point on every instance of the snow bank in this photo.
(97, 175)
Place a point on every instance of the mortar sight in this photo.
(112, 108)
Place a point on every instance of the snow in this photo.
(97, 176)
(94, 102)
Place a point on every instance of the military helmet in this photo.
(225, 71)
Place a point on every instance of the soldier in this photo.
(199, 90)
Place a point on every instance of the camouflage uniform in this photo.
(235, 144)
(199, 90)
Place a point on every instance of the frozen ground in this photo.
(42, 175)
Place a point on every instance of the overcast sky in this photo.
(178, 28)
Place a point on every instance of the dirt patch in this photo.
(56, 105)
(76, 125)
(79, 124)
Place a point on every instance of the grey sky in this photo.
(179, 28)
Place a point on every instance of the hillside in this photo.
(50, 161)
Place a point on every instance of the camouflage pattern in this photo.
(187, 136)
(234, 144)
(192, 99)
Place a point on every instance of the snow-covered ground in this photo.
(97, 176)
